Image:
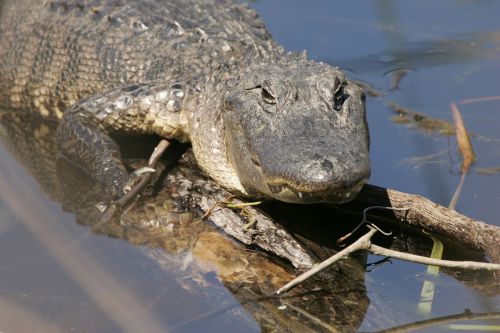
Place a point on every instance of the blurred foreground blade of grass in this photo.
(468, 158)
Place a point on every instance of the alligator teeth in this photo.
(101, 206)
(300, 194)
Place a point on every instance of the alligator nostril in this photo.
(255, 162)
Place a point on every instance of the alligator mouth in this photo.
(287, 193)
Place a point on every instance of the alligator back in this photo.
(54, 53)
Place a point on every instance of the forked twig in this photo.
(361, 244)
(364, 243)
(224, 201)
(365, 220)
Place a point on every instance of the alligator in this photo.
(262, 122)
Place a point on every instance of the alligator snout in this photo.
(321, 179)
(323, 173)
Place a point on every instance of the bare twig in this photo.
(364, 220)
(364, 243)
(361, 244)
(479, 99)
(420, 325)
(456, 194)
(224, 201)
(474, 265)
(243, 204)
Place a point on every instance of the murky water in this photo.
(62, 277)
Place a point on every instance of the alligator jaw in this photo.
(287, 193)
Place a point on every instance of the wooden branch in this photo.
(364, 243)
(361, 244)
(420, 325)
(266, 233)
(474, 265)
(411, 210)
(427, 215)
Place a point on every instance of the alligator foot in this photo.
(140, 179)
(144, 175)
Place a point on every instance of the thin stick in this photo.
(243, 204)
(473, 265)
(442, 222)
(420, 325)
(311, 317)
(361, 244)
(479, 99)
(225, 201)
(364, 243)
(365, 220)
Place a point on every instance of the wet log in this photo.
(423, 214)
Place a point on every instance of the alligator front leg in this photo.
(83, 137)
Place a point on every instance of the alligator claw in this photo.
(139, 172)
(136, 175)
(143, 175)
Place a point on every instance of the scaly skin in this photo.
(261, 122)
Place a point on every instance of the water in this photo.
(450, 49)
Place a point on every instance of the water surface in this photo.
(450, 50)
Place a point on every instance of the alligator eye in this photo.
(267, 97)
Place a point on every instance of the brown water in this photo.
(55, 275)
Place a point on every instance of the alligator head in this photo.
(298, 133)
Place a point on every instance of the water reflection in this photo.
(169, 241)
(451, 48)
(473, 46)
(163, 226)
(196, 254)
